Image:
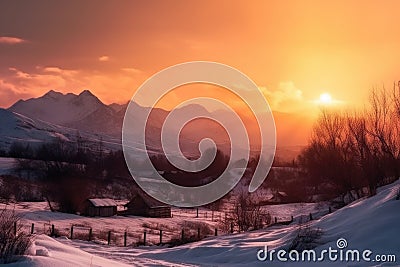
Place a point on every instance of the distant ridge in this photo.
(86, 112)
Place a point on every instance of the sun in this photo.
(325, 99)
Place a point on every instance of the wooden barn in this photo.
(102, 207)
(144, 205)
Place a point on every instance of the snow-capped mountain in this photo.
(58, 108)
(84, 112)
(66, 115)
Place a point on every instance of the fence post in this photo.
(15, 228)
(52, 230)
(109, 238)
(160, 237)
(90, 234)
(216, 232)
(291, 218)
(144, 238)
(197, 213)
(231, 227)
(330, 209)
(125, 235)
(72, 232)
(198, 233)
(32, 228)
(311, 217)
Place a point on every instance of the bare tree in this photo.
(247, 212)
(384, 128)
(326, 159)
(356, 149)
(13, 242)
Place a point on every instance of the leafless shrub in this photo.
(247, 213)
(147, 225)
(13, 242)
(306, 238)
(158, 226)
(81, 235)
(103, 235)
(191, 227)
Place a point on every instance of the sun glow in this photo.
(325, 99)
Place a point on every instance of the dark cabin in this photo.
(101, 207)
(146, 206)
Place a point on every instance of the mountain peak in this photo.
(53, 94)
(59, 108)
(86, 93)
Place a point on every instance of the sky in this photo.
(293, 50)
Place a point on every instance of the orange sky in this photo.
(293, 50)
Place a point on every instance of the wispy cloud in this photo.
(132, 70)
(11, 40)
(104, 58)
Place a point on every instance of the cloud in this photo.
(11, 40)
(109, 87)
(38, 81)
(59, 71)
(132, 70)
(104, 58)
(287, 98)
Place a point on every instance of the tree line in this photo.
(350, 150)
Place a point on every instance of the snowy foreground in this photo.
(367, 224)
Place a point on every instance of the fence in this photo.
(163, 235)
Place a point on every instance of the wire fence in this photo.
(162, 234)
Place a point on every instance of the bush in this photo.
(306, 238)
(191, 227)
(13, 242)
(247, 213)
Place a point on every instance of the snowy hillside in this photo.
(15, 127)
(367, 224)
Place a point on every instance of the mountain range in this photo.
(57, 115)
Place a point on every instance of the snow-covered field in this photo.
(40, 214)
(367, 224)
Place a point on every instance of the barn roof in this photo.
(150, 202)
(102, 202)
